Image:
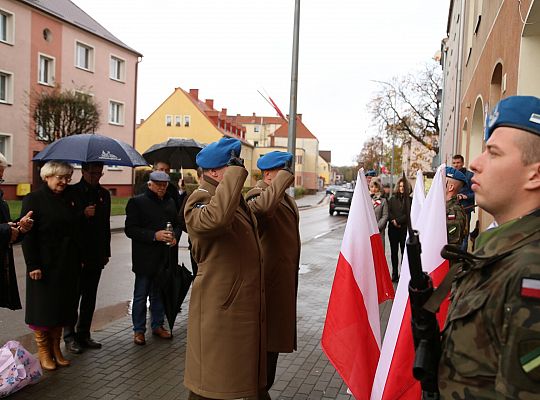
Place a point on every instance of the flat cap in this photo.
(159, 176)
(273, 160)
(521, 112)
(217, 154)
(456, 174)
(371, 173)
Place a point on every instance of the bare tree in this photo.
(408, 106)
(59, 113)
(376, 151)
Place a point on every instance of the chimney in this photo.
(141, 122)
(194, 93)
(299, 116)
(209, 102)
(224, 112)
(254, 115)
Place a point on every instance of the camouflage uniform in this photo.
(456, 221)
(491, 338)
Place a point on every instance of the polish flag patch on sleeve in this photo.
(530, 287)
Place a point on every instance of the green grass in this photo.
(118, 206)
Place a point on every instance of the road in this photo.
(116, 285)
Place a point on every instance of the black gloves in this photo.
(288, 166)
(235, 161)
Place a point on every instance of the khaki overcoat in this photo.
(278, 219)
(226, 343)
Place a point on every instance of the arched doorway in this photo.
(495, 89)
(529, 60)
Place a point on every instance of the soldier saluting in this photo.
(491, 339)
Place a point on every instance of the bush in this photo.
(299, 191)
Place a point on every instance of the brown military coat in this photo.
(278, 220)
(226, 344)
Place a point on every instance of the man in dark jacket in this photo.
(95, 202)
(152, 247)
(172, 191)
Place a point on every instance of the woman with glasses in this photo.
(52, 253)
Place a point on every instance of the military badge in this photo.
(530, 288)
(529, 358)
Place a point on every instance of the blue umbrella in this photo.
(89, 147)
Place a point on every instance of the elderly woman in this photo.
(52, 253)
(380, 206)
(10, 233)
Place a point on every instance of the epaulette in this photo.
(203, 190)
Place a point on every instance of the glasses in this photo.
(65, 178)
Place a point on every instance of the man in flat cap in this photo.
(226, 340)
(278, 219)
(456, 219)
(491, 338)
(152, 248)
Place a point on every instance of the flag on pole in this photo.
(394, 379)
(352, 336)
(277, 108)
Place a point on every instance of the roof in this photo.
(72, 14)
(256, 119)
(302, 132)
(326, 155)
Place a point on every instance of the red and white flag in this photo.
(394, 379)
(352, 336)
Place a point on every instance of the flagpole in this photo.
(291, 147)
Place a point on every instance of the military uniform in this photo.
(456, 221)
(491, 338)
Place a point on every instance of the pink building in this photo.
(54, 42)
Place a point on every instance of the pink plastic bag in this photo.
(18, 368)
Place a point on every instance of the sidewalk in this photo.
(122, 370)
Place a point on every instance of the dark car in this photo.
(340, 201)
(332, 189)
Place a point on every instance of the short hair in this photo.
(3, 161)
(86, 165)
(458, 157)
(55, 168)
(457, 183)
(161, 162)
(529, 144)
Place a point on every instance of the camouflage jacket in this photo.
(456, 221)
(491, 338)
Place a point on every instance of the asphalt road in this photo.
(116, 285)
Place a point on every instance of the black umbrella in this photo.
(88, 147)
(173, 282)
(179, 153)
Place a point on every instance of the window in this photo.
(177, 120)
(256, 128)
(255, 143)
(116, 113)
(46, 70)
(6, 27)
(84, 56)
(299, 159)
(6, 87)
(168, 120)
(117, 69)
(187, 120)
(5, 146)
(298, 180)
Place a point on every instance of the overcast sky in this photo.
(230, 49)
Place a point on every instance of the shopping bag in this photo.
(18, 368)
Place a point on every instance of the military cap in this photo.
(371, 173)
(159, 176)
(217, 154)
(456, 174)
(273, 160)
(521, 112)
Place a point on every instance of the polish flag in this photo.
(394, 379)
(352, 336)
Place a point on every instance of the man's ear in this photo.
(533, 177)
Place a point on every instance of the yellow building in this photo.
(184, 115)
(325, 167)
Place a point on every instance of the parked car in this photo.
(340, 201)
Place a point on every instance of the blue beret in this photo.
(521, 112)
(273, 160)
(371, 173)
(456, 174)
(159, 176)
(217, 154)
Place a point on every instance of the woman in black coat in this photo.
(397, 225)
(52, 253)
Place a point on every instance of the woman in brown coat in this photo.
(226, 346)
(278, 219)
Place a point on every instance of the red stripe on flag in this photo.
(401, 383)
(347, 338)
(385, 289)
(528, 292)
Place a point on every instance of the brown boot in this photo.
(44, 353)
(56, 333)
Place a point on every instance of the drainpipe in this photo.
(139, 59)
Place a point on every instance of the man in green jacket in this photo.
(491, 338)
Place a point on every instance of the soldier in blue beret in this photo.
(370, 175)
(456, 219)
(491, 339)
(225, 356)
(278, 222)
